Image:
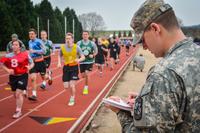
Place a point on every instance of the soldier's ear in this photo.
(155, 27)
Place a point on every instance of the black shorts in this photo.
(85, 67)
(113, 55)
(99, 60)
(127, 47)
(39, 67)
(47, 61)
(119, 50)
(70, 73)
(18, 82)
(105, 54)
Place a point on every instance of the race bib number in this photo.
(14, 63)
(86, 52)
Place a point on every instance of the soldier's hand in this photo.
(131, 98)
(132, 95)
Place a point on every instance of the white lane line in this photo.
(36, 108)
(74, 126)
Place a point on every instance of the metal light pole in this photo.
(48, 28)
(38, 26)
(73, 27)
(65, 25)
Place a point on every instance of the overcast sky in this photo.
(118, 13)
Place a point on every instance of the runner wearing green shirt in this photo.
(90, 50)
(47, 56)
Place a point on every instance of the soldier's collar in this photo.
(177, 45)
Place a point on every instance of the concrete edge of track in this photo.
(75, 127)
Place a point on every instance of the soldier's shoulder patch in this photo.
(138, 109)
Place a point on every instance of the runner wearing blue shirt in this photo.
(36, 49)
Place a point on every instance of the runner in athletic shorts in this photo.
(17, 64)
(14, 37)
(36, 49)
(90, 50)
(117, 40)
(99, 58)
(113, 48)
(128, 44)
(105, 42)
(47, 56)
(72, 55)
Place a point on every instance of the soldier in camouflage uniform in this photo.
(9, 45)
(169, 101)
(138, 62)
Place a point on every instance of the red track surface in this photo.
(53, 102)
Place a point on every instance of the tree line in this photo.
(192, 31)
(18, 16)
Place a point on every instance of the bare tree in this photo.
(83, 19)
(92, 22)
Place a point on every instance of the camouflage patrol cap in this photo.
(145, 15)
(14, 36)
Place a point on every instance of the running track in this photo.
(53, 101)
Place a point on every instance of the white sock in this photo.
(34, 92)
(44, 82)
(86, 87)
(24, 91)
(18, 109)
(50, 72)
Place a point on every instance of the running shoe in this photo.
(42, 86)
(71, 101)
(17, 114)
(85, 91)
(32, 98)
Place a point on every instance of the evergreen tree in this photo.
(6, 27)
(18, 16)
(124, 35)
(114, 34)
(60, 24)
(68, 15)
(77, 26)
(120, 34)
(130, 34)
(23, 17)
